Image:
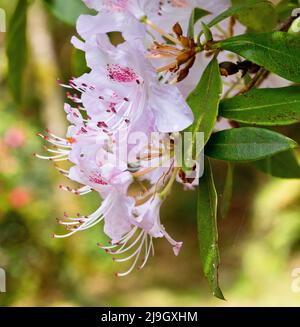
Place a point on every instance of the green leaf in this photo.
(204, 102)
(197, 14)
(227, 192)
(261, 17)
(285, 7)
(282, 165)
(78, 63)
(242, 8)
(278, 52)
(247, 144)
(67, 10)
(16, 49)
(208, 230)
(269, 107)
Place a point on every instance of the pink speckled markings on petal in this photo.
(118, 73)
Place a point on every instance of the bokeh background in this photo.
(259, 240)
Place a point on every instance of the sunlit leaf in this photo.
(278, 52)
(260, 17)
(241, 8)
(204, 100)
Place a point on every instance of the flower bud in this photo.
(228, 68)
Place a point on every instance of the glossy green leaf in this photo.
(282, 165)
(208, 230)
(278, 52)
(67, 10)
(261, 17)
(196, 15)
(16, 49)
(204, 100)
(227, 192)
(246, 6)
(273, 107)
(247, 144)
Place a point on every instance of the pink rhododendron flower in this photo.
(133, 89)
(122, 90)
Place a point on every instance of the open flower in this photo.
(123, 90)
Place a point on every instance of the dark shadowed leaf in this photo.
(278, 52)
(273, 107)
(227, 192)
(247, 144)
(282, 165)
(208, 230)
(16, 48)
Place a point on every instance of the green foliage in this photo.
(260, 17)
(280, 106)
(67, 10)
(247, 10)
(246, 144)
(208, 230)
(227, 192)
(16, 49)
(204, 100)
(285, 7)
(277, 52)
(196, 15)
(78, 63)
(282, 165)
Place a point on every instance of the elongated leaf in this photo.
(271, 107)
(285, 7)
(16, 49)
(261, 17)
(204, 100)
(278, 52)
(197, 14)
(227, 192)
(208, 230)
(241, 8)
(67, 10)
(282, 165)
(246, 144)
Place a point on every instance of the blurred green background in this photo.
(259, 240)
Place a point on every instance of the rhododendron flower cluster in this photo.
(133, 90)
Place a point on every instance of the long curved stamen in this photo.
(137, 254)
